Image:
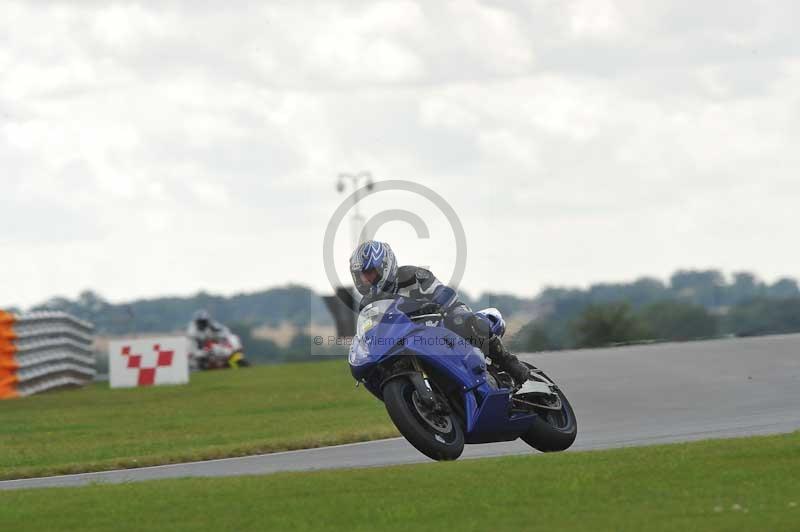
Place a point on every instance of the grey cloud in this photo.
(525, 115)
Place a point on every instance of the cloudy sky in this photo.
(167, 147)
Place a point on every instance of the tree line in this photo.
(294, 304)
(691, 304)
(694, 305)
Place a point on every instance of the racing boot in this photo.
(507, 362)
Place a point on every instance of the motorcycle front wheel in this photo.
(436, 435)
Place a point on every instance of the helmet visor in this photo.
(366, 280)
(370, 277)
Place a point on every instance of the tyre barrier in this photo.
(41, 351)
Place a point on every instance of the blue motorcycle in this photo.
(442, 392)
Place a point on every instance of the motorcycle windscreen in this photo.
(381, 328)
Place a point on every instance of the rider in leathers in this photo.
(376, 276)
(202, 328)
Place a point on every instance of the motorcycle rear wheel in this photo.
(554, 430)
(437, 436)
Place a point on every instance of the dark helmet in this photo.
(202, 319)
(373, 267)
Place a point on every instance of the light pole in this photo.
(356, 221)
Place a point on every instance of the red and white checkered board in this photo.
(148, 362)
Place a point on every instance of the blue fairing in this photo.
(454, 364)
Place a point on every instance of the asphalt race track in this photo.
(635, 395)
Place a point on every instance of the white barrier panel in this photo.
(154, 361)
(42, 351)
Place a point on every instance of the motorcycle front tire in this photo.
(435, 444)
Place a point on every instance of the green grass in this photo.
(738, 485)
(220, 414)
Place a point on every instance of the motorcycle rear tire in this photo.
(397, 396)
(556, 434)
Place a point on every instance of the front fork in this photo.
(420, 381)
(416, 374)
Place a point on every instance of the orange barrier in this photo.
(41, 351)
(8, 363)
(8, 384)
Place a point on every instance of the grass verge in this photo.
(219, 414)
(739, 484)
